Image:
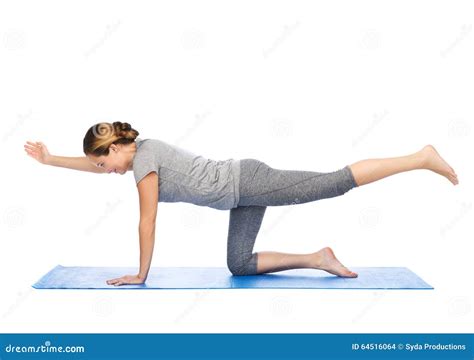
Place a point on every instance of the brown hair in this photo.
(100, 136)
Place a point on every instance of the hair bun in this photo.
(124, 130)
(120, 126)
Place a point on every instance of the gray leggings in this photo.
(262, 186)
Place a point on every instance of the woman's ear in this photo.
(113, 147)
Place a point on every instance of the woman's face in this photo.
(118, 161)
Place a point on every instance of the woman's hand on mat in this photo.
(126, 280)
(38, 151)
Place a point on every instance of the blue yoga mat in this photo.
(78, 277)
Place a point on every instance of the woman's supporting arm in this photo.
(39, 152)
(147, 242)
(148, 192)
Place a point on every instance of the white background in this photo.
(299, 85)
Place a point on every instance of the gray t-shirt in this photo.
(187, 177)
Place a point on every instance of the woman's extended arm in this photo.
(148, 192)
(39, 152)
(81, 163)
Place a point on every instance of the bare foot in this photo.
(326, 260)
(434, 162)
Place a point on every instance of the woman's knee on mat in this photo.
(242, 265)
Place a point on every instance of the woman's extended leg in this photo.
(370, 170)
(263, 185)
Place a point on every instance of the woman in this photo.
(164, 172)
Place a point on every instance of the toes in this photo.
(351, 274)
(453, 179)
(345, 272)
(348, 274)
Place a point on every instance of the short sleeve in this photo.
(144, 163)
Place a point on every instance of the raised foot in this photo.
(327, 261)
(433, 161)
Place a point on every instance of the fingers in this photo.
(33, 146)
(40, 144)
(36, 144)
(113, 281)
(30, 150)
(124, 280)
(116, 282)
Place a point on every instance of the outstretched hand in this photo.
(38, 151)
(126, 280)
